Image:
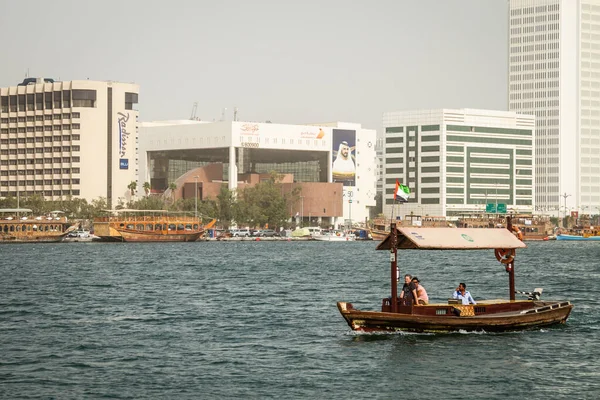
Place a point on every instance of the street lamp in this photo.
(565, 197)
(301, 211)
(196, 197)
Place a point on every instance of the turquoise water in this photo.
(259, 320)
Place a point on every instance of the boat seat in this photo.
(465, 311)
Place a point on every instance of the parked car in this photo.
(244, 232)
(267, 233)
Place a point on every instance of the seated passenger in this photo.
(406, 295)
(419, 292)
(461, 293)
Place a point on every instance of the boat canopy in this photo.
(452, 239)
(15, 210)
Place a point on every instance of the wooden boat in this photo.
(335, 236)
(16, 228)
(489, 316)
(149, 226)
(532, 227)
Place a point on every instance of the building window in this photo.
(83, 98)
(75, 126)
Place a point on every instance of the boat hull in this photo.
(578, 238)
(54, 238)
(125, 236)
(327, 238)
(540, 314)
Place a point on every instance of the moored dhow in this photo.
(487, 315)
(149, 226)
(18, 228)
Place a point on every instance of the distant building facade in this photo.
(312, 155)
(457, 161)
(554, 74)
(68, 139)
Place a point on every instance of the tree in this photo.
(149, 203)
(224, 206)
(172, 188)
(132, 187)
(262, 204)
(147, 188)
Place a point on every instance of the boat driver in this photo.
(461, 293)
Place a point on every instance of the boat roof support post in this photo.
(394, 266)
(511, 266)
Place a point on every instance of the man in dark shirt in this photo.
(406, 295)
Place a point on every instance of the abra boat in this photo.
(149, 226)
(490, 316)
(16, 228)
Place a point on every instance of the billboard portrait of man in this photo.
(343, 168)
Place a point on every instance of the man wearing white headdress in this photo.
(343, 166)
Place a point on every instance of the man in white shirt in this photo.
(343, 166)
(461, 293)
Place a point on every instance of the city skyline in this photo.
(287, 63)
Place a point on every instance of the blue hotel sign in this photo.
(123, 163)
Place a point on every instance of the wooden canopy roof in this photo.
(452, 239)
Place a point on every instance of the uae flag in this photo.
(401, 193)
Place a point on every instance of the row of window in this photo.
(44, 171)
(45, 128)
(65, 181)
(40, 161)
(73, 192)
(41, 139)
(32, 118)
(55, 149)
(48, 100)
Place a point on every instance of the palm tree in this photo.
(173, 188)
(132, 187)
(147, 188)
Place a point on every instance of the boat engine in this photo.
(535, 295)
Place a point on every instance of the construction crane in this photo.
(194, 109)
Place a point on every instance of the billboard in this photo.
(343, 168)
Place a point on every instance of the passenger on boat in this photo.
(419, 292)
(406, 296)
(461, 293)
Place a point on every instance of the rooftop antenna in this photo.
(235, 113)
(194, 109)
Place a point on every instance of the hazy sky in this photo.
(278, 60)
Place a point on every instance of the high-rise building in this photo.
(554, 74)
(61, 139)
(455, 162)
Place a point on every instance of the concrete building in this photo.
(554, 74)
(72, 138)
(457, 161)
(329, 161)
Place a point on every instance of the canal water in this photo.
(259, 320)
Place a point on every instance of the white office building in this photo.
(68, 138)
(171, 150)
(554, 74)
(457, 161)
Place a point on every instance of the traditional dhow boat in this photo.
(489, 316)
(149, 226)
(17, 228)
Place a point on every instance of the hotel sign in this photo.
(123, 133)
